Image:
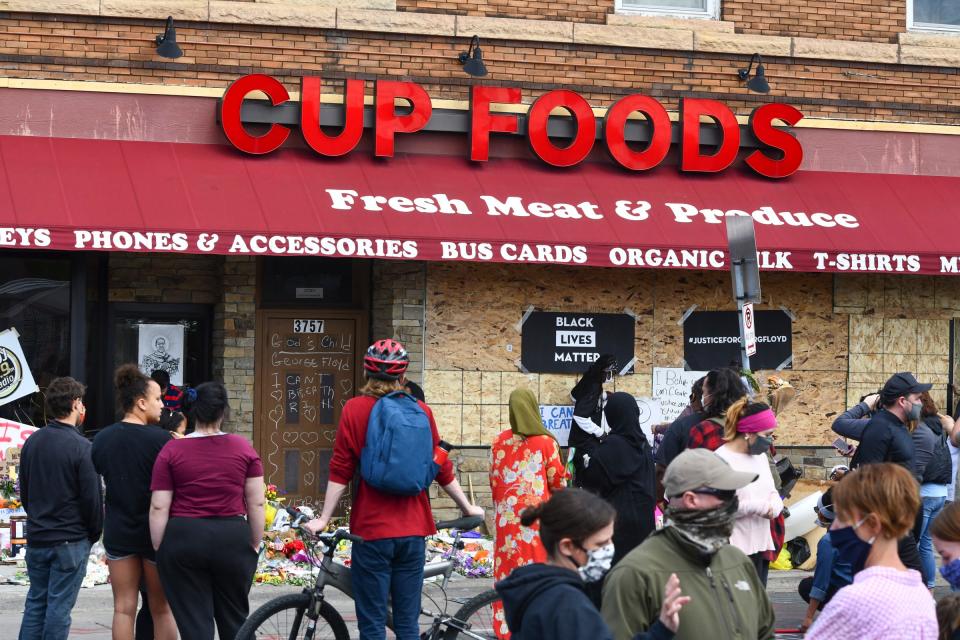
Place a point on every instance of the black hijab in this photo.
(623, 418)
(625, 449)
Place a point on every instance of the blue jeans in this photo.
(55, 575)
(390, 568)
(931, 508)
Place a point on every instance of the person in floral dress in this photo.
(526, 470)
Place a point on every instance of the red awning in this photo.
(142, 196)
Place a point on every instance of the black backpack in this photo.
(940, 468)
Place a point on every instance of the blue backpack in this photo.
(398, 454)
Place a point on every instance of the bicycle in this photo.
(308, 615)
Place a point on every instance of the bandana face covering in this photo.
(709, 529)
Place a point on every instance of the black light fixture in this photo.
(758, 83)
(472, 60)
(167, 43)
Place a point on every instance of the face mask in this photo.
(598, 563)
(850, 548)
(709, 529)
(759, 446)
(914, 413)
(951, 573)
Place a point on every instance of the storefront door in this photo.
(308, 365)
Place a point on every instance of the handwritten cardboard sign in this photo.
(12, 436)
(671, 387)
(558, 419)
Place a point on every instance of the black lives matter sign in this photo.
(555, 342)
(711, 339)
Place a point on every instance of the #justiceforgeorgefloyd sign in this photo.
(561, 342)
(16, 380)
(711, 339)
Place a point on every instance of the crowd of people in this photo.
(715, 477)
(179, 504)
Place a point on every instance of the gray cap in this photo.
(699, 469)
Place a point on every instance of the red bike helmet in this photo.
(386, 360)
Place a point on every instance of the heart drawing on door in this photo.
(310, 438)
(290, 437)
(276, 415)
(309, 457)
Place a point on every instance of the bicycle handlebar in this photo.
(329, 539)
(464, 524)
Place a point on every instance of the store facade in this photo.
(127, 207)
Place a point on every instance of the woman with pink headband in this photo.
(748, 432)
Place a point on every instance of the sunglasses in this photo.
(722, 494)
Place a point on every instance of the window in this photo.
(678, 8)
(933, 15)
(35, 300)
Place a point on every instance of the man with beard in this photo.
(727, 598)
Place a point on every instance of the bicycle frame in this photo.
(338, 576)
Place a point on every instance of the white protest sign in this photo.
(16, 380)
(671, 387)
(160, 346)
(13, 434)
(650, 415)
(557, 419)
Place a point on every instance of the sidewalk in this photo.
(93, 613)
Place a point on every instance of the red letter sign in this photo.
(319, 141)
(761, 122)
(614, 125)
(230, 114)
(482, 122)
(690, 158)
(537, 119)
(388, 123)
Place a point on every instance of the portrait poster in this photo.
(160, 346)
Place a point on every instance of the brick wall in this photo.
(113, 50)
(148, 277)
(234, 339)
(592, 11)
(399, 295)
(831, 19)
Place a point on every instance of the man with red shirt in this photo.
(389, 564)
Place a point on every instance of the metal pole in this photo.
(740, 295)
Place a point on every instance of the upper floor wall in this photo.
(856, 20)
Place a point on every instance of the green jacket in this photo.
(727, 598)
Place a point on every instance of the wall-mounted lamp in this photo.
(472, 60)
(167, 43)
(758, 83)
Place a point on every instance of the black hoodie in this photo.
(542, 601)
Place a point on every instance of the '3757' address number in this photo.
(308, 326)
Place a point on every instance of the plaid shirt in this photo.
(706, 435)
(709, 435)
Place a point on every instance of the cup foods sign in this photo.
(780, 154)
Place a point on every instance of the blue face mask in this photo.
(850, 548)
(951, 573)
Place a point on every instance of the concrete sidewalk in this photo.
(93, 613)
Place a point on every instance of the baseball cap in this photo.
(900, 384)
(701, 468)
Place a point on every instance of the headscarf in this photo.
(623, 416)
(525, 415)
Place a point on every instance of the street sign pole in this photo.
(738, 292)
(744, 271)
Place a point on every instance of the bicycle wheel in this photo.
(474, 619)
(284, 618)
